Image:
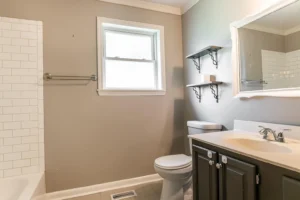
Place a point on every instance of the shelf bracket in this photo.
(215, 92)
(198, 93)
(197, 63)
(214, 57)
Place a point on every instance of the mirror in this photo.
(267, 50)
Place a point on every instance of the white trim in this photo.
(94, 189)
(188, 6)
(131, 92)
(292, 30)
(292, 92)
(147, 5)
(155, 6)
(265, 29)
(260, 14)
(273, 31)
(235, 60)
(285, 92)
(160, 57)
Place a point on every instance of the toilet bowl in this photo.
(176, 170)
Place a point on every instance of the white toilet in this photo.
(176, 170)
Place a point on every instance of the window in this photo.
(130, 58)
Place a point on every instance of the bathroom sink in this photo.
(258, 145)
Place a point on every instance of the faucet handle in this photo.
(282, 130)
(280, 136)
(262, 130)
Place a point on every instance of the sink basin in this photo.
(258, 145)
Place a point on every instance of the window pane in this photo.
(131, 46)
(129, 75)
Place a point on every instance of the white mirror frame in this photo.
(283, 92)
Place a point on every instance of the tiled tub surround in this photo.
(21, 97)
(281, 70)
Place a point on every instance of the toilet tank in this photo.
(201, 127)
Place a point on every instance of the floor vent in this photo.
(123, 195)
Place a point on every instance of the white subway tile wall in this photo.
(280, 70)
(21, 97)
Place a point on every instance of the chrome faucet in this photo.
(277, 137)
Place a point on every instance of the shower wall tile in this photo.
(281, 70)
(12, 172)
(21, 97)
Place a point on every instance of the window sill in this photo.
(131, 92)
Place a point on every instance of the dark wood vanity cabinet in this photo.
(290, 189)
(219, 177)
(219, 174)
(205, 173)
(236, 179)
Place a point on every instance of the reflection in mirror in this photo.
(270, 51)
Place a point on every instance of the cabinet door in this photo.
(290, 188)
(205, 179)
(236, 179)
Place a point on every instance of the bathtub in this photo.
(22, 187)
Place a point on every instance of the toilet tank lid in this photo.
(204, 125)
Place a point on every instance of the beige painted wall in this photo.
(91, 139)
(207, 23)
(292, 42)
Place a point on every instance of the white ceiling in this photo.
(176, 3)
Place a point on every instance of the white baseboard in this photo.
(93, 189)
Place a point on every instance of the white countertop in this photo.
(289, 158)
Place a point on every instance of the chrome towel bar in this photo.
(48, 77)
(254, 82)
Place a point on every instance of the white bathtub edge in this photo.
(33, 185)
(93, 189)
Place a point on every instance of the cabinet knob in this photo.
(211, 162)
(219, 166)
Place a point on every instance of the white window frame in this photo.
(157, 34)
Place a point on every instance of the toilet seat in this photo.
(173, 162)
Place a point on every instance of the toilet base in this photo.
(174, 190)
